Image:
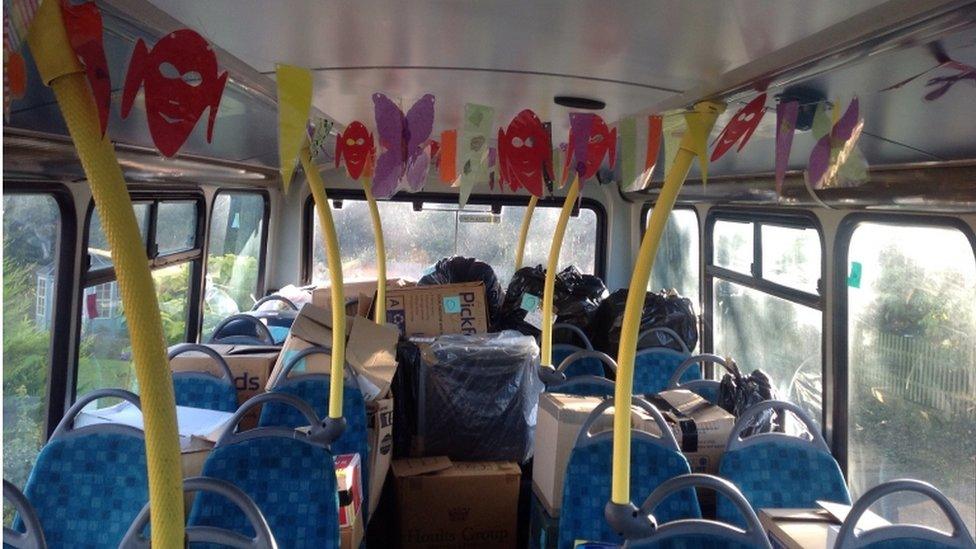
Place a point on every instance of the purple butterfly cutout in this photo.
(402, 139)
(840, 136)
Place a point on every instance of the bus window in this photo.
(99, 256)
(105, 354)
(676, 264)
(31, 229)
(771, 319)
(911, 333)
(233, 256)
(415, 240)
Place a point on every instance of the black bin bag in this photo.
(661, 310)
(737, 393)
(478, 396)
(457, 269)
(575, 300)
(405, 388)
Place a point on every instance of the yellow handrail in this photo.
(379, 312)
(551, 266)
(324, 212)
(624, 386)
(524, 231)
(60, 69)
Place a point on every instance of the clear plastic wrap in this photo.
(479, 396)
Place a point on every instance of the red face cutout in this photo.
(590, 138)
(355, 145)
(181, 81)
(740, 128)
(83, 24)
(525, 153)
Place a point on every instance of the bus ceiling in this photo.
(627, 54)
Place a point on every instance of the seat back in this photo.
(705, 388)
(289, 304)
(654, 366)
(89, 483)
(288, 474)
(645, 341)
(584, 385)
(586, 487)
(242, 329)
(779, 470)
(203, 389)
(583, 366)
(262, 539)
(32, 535)
(903, 535)
(697, 532)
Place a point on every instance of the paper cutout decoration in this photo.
(492, 167)
(741, 127)
(447, 168)
(14, 78)
(673, 129)
(944, 83)
(821, 121)
(294, 104)
(590, 140)
(318, 133)
(786, 114)
(833, 150)
(181, 80)
(83, 23)
(404, 159)
(473, 148)
(628, 152)
(525, 153)
(355, 147)
(699, 129)
(17, 17)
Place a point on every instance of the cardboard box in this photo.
(811, 528)
(379, 425)
(351, 537)
(370, 348)
(349, 480)
(359, 295)
(702, 428)
(428, 311)
(463, 504)
(251, 365)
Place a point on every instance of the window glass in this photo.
(733, 245)
(676, 264)
(98, 249)
(791, 257)
(233, 256)
(31, 228)
(779, 337)
(416, 240)
(912, 366)
(176, 226)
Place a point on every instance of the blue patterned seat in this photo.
(705, 388)
(291, 479)
(582, 367)
(653, 368)
(202, 389)
(89, 483)
(779, 470)
(586, 486)
(582, 384)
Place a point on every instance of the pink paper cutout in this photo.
(740, 127)
(405, 159)
(964, 72)
(355, 147)
(83, 23)
(181, 80)
(525, 153)
(786, 114)
(589, 141)
(843, 136)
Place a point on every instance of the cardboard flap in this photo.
(371, 349)
(799, 515)
(482, 469)
(314, 324)
(413, 467)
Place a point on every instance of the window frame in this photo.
(496, 202)
(62, 353)
(646, 209)
(840, 396)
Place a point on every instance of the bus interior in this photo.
(753, 220)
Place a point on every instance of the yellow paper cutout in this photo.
(673, 128)
(294, 104)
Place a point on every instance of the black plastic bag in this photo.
(456, 269)
(738, 393)
(661, 310)
(576, 299)
(405, 388)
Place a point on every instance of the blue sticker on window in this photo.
(452, 304)
(529, 302)
(854, 278)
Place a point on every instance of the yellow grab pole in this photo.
(524, 232)
(624, 386)
(324, 212)
(374, 212)
(553, 264)
(60, 69)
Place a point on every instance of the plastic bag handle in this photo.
(703, 359)
(580, 355)
(263, 539)
(183, 348)
(66, 425)
(33, 537)
(669, 332)
(274, 297)
(300, 355)
(576, 331)
(745, 420)
(849, 538)
(323, 432)
(264, 334)
(753, 536)
(666, 439)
